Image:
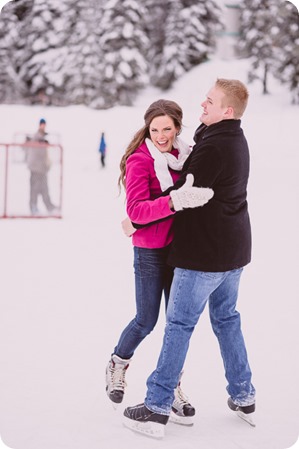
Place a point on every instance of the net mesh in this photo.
(30, 180)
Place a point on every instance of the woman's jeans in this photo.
(152, 277)
(189, 294)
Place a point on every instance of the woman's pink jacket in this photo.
(143, 206)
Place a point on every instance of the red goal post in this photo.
(31, 180)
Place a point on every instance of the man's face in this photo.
(213, 111)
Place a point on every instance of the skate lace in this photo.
(180, 398)
(118, 378)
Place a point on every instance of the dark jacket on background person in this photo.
(217, 236)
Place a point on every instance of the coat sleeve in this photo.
(141, 208)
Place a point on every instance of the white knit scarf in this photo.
(164, 160)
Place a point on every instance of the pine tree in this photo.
(14, 50)
(124, 46)
(83, 66)
(155, 29)
(258, 32)
(44, 71)
(8, 22)
(99, 53)
(156, 13)
(190, 29)
(54, 63)
(286, 48)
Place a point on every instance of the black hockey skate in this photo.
(140, 419)
(242, 412)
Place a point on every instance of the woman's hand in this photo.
(128, 228)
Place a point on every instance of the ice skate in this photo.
(140, 419)
(115, 379)
(182, 411)
(244, 412)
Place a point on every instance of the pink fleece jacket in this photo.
(143, 206)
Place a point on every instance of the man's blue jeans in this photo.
(189, 294)
(152, 277)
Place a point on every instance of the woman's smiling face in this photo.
(163, 133)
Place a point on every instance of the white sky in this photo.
(67, 287)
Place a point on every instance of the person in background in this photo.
(152, 163)
(211, 246)
(39, 164)
(102, 150)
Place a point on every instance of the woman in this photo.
(151, 164)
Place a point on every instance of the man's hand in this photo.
(188, 196)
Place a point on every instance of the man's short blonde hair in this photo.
(236, 95)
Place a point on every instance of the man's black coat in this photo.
(217, 236)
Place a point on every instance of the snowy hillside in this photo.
(67, 288)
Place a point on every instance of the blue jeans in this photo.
(152, 277)
(189, 294)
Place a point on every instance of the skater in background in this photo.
(211, 246)
(39, 164)
(102, 150)
(152, 163)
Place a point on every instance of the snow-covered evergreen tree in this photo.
(189, 36)
(7, 27)
(269, 36)
(286, 48)
(258, 32)
(168, 62)
(14, 50)
(51, 24)
(56, 62)
(97, 52)
(124, 46)
(83, 65)
(156, 15)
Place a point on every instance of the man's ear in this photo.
(229, 113)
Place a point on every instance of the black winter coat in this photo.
(217, 236)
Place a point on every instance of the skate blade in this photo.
(115, 405)
(182, 420)
(246, 418)
(149, 429)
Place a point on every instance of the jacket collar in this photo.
(225, 126)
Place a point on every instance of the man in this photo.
(39, 164)
(211, 246)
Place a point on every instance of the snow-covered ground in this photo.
(67, 288)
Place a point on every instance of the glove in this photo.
(128, 228)
(188, 196)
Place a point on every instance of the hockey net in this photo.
(31, 180)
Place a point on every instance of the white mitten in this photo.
(128, 228)
(188, 196)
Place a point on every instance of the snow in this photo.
(67, 287)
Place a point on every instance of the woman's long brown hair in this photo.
(156, 109)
